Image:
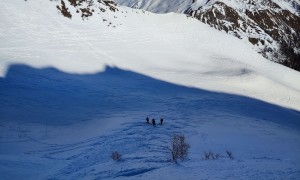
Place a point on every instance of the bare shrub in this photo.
(206, 155)
(229, 154)
(116, 156)
(211, 156)
(179, 147)
(216, 156)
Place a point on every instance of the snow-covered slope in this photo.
(44, 38)
(180, 6)
(73, 90)
(272, 26)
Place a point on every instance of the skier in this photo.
(153, 122)
(161, 121)
(147, 120)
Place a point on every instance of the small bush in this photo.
(179, 147)
(211, 156)
(229, 154)
(116, 156)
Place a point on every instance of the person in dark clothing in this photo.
(153, 122)
(161, 121)
(147, 120)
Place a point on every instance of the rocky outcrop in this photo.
(86, 8)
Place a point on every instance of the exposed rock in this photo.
(64, 10)
(86, 8)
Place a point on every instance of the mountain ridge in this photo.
(271, 26)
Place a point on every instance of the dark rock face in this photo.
(64, 10)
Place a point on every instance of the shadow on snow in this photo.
(30, 95)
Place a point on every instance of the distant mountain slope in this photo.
(272, 26)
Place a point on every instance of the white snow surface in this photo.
(240, 6)
(73, 91)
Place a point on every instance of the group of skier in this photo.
(153, 121)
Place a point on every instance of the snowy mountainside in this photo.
(73, 90)
(180, 6)
(69, 41)
(272, 26)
